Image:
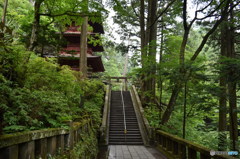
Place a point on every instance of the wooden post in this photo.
(60, 143)
(164, 141)
(27, 150)
(51, 145)
(41, 148)
(169, 144)
(66, 141)
(204, 156)
(182, 151)
(9, 152)
(192, 154)
(68, 138)
(71, 135)
(175, 147)
(160, 140)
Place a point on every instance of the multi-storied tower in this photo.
(70, 53)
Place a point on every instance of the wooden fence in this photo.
(177, 148)
(42, 143)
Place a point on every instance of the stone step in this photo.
(116, 126)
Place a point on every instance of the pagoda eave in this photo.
(94, 62)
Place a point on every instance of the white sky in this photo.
(114, 27)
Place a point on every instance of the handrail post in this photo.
(192, 153)
(70, 136)
(105, 119)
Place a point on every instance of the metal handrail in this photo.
(124, 118)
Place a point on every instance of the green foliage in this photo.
(152, 114)
(87, 147)
(230, 66)
(202, 94)
(196, 130)
(93, 95)
(95, 40)
(112, 59)
(19, 18)
(38, 93)
(46, 95)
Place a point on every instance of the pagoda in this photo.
(70, 53)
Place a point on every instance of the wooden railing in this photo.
(145, 129)
(171, 146)
(105, 120)
(42, 143)
(174, 147)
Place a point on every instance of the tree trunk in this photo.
(222, 125)
(171, 103)
(232, 86)
(160, 83)
(233, 115)
(1, 120)
(182, 72)
(152, 50)
(142, 27)
(145, 45)
(3, 22)
(4, 12)
(184, 110)
(150, 69)
(83, 46)
(36, 25)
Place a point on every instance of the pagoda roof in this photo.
(97, 27)
(94, 62)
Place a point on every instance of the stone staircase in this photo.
(116, 125)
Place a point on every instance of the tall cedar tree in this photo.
(222, 127)
(184, 74)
